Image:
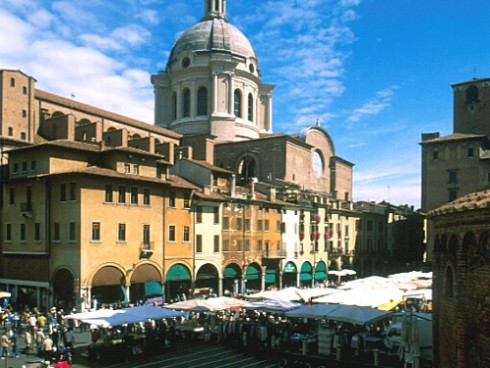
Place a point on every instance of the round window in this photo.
(186, 62)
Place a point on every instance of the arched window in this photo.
(449, 284)
(202, 101)
(216, 5)
(250, 107)
(174, 106)
(186, 103)
(238, 103)
(472, 94)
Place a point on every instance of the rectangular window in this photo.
(226, 245)
(259, 244)
(12, 82)
(216, 215)
(260, 225)
(95, 231)
(8, 232)
(470, 152)
(73, 191)
(239, 224)
(247, 224)
(136, 169)
(121, 232)
(171, 233)
(435, 155)
(24, 113)
(73, 232)
(24, 166)
(127, 168)
(239, 245)
(187, 202)
(11, 196)
(216, 244)
(171, 199)
(37, 231)
(16, 168)
(56, 232)
(187, 234)
(452, 177)
(198, 243)
(22, 232)
(266, 225)
(134, 195)
(24, 90)
(146, 197)
(33, 165)
(199, 214)
(370, 225)
(226, 223)
(278, 226)
(108, 193)
(146, 237)
(247, 244)
(453, 194)
(63, 192)
(121, 194)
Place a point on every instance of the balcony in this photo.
(26, 209)
(274, 254)
(146, 249)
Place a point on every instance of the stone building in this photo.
(461, 282)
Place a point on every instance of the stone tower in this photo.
(471, 107)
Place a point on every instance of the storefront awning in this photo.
(230, 273)
(178, 272)
(320, 275)
(153, 288)
(290, 267)
(252, 273)
(270, 275)
(305, 274)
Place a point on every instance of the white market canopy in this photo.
(210, 304)
(273, 305)
(116, 317)
(290, 294)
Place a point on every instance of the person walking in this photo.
(5, 343)
(15, 343)
(47, 348)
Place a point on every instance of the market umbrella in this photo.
(316, 311)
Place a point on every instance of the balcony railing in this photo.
(274, 254)
(146, 249)
(26, 209)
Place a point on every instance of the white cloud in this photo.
(99, 42)
(132, 34)
(375, 105)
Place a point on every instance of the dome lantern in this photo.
(215, 9)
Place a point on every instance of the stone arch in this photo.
(145, 280)
(63, 288)
(248, 167)
(109, 284)
(178, 281)
(207, 276)
(290, 274)
(232, 275)
(57, 114)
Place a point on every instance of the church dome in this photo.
(213, 35)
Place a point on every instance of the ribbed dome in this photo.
(215, 35)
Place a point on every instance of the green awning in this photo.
(306, 272)
(270, 276)
(230, 273)
(289, 267)
(321, 266)
(306, 267)
(153, 288)
(320, 275)
(178, 272)
(303, 276)
(252, 273)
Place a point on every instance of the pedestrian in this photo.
(15, 343)
(47, 348)
(28, 341)
(69, 339)
(39, 339)
(5, 343)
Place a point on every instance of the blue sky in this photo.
(376, 73)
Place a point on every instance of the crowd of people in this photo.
(47, 335)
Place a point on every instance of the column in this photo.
(214, 94)
(231, 87)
